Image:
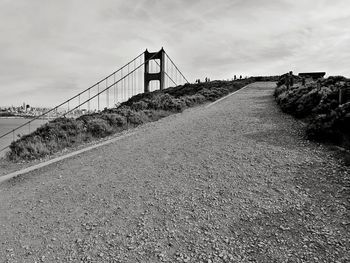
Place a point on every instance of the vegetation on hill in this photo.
(317, 102)
(67, 132)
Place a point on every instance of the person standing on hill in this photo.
(286, 80)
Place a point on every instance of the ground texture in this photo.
(232, 182)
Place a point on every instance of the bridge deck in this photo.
(231, 181)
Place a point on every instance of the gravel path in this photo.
(233, 182)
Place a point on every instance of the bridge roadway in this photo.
(229, 182)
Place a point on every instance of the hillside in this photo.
(63, 133)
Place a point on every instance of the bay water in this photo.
(8, 124)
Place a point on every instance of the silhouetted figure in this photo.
(240, 77)
(286, 80)
(235, 77)
(291, 80)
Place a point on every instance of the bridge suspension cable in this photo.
(124, 85)
(176, 67)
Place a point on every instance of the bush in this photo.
(154, 115)
(210, 95)
(30, 149)
(317, 102)
(279, 90)
(334, 126)
(114, 119)
(139, 105)
(99, 128)
(287, 99)
(329, 100)
(132, 117)
(166, 102)
(306, 103)
(192, 100)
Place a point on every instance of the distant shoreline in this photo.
(15, 117)
(24, 117)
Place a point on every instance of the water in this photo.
(7, 124)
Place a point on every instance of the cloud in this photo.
(50, 50)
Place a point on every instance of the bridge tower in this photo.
(154, 76)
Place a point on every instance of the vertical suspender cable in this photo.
(151, 68)
(135, 76)
(176, 76)
(141, 73)
(167, 71)
(122, 86)
(128, 87)
(89, 102)
(114, 87)
(98, 97)
(107, 94)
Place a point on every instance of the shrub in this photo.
(279, 90)
(166, 102)
(288, 98)
(99, 128)
(193, 100)
(28, 150)
(114, 119)
(306, 103)
(210, 95)
(334, 126)
(139, 105)
(154, 115)
(329, 100)
(132, 117)
(318, 103)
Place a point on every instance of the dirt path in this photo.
(233, 182)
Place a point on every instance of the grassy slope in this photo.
(67, 132)
(317, 103)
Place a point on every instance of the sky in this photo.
(52, 49)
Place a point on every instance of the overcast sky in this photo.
(51, 49)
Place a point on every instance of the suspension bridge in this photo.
(147, 72)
